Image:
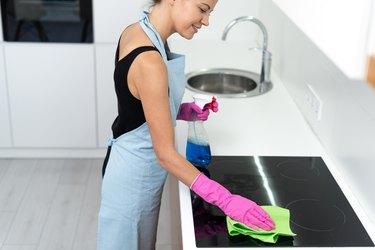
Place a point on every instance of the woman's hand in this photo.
(237, 207)
(191, 112)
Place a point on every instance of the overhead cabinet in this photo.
(341, 29)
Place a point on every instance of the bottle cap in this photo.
(201, 100)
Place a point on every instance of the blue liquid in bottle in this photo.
(198, 154)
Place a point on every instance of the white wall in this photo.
(339, 28)
(371, 40)
(112, 16)
(346, 128)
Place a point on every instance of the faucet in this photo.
(266, 55)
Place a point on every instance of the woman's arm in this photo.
(149, 77)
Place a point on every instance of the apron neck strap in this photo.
(151, 32)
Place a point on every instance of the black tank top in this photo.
(130, 111)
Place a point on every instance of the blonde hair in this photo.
(155, 2)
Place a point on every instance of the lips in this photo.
(196, 28)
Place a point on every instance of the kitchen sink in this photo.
(225, 82)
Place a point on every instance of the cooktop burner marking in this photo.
(334, 217)
(244, 182)
(297, 171)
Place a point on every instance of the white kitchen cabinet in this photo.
(341, 29)
(106, 96)
(51, 94)
(5, 131)
(112, 16)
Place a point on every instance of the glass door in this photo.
(60, 21)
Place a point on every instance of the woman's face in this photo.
(189, 15)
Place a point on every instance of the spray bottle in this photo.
(198, 150)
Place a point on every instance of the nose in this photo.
(205, 21)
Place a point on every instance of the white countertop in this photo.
(266, 125)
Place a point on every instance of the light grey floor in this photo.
(49, 204)
(52, 204)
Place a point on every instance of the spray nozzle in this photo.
(213, 105)
(206, 102)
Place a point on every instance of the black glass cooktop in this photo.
(320, 214)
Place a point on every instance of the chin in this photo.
(187, 36)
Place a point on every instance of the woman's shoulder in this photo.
(133, 37)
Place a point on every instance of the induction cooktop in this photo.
(320, 214)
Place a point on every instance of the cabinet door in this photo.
(5, 132)
(112, 16)
(52, 94)
(339, 28)
(106, 96)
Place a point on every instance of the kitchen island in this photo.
(266, 125)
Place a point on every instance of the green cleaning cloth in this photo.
(279, 215)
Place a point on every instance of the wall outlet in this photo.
(314, 102)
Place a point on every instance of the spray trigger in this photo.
(213, 105)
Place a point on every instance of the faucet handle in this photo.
(266, 66)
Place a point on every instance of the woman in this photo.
(149, 84)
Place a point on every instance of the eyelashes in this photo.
(203, 10)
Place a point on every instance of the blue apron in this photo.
(133, 182)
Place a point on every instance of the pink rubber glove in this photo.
(191, 112)
(237, 207)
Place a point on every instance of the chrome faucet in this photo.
(266, 55)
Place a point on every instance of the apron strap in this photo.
(153, 34)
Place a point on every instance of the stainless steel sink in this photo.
(224, 82)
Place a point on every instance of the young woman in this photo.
(149, 83)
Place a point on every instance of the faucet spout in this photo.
(266, 55)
